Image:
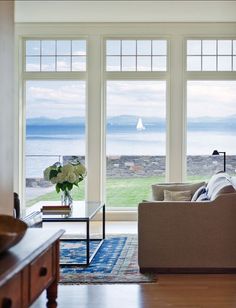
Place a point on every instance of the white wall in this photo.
(125, 11)
(6, 105)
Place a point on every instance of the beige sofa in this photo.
(190, 236)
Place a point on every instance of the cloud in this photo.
(58, 99)
(211, 98)
(55, 99)
(140, 98)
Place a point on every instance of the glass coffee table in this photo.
(81, 211)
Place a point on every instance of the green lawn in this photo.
(120, 192)
(130, 191)
(127, 192)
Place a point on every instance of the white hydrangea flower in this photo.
(71, 178)
(80, 170)
(67, 169)
(60, 177)
(66, 174)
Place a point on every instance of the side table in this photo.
(29, 268)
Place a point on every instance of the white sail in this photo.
(140, 125)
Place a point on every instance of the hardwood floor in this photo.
(187, 291)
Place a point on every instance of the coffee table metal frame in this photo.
(88, 239)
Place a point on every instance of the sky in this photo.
(211, 98)
(57, 99)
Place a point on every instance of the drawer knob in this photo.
(6, 302)
(43, 271)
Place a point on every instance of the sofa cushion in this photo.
(198, 192)
(177, 195)
(158, 189)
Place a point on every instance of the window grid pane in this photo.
(32, 48)
(113, 48)
(48, 64)
(63, 63)
(209, 47)
(211, 55)
(63, 48)
(194, 47)
(129, 63)
(55, 55)
(113, 63)
(159, 63)
(159, 47)
(144, 48)
(48, 48)
(33, 63)
(209, 63)
(194, 63)
(144, 63)
(224, 63)
(78, 63)
(136, 55)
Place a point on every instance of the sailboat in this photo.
(140, 125)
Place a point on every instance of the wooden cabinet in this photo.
(29, 268)
(10, 293)
(41, 274)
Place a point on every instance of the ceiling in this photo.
(124, 11)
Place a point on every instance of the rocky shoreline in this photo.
(146, 166)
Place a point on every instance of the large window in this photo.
(211, 108)
(55, 131)
(142, 85)
(136, 140)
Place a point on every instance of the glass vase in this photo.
(66, 198)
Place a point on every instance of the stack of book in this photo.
(56, 209)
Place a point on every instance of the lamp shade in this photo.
(215, 152)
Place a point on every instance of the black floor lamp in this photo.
(215, 152)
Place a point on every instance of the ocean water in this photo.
(127, 141)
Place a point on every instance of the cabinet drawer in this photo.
(10, 293)
(41, 273)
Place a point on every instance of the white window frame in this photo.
(177, 33)
(133, 76)
(43, 76)
(201, 55)
(204, 76)
(55, 55)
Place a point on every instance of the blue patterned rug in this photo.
(115, 262)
